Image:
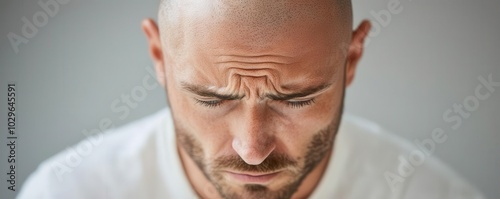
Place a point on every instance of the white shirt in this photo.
(140, 161)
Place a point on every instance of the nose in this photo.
(253, 140)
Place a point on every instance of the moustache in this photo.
(272, 163)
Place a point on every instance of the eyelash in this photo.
(210, 104)
(216, 103)
(300, 104)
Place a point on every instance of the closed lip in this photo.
(254, 178)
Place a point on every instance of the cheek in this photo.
(297, 133)
(320, 114)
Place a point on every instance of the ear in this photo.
(155, 48)
(355, 50)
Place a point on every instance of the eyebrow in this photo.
(303, 93)
(205, 92)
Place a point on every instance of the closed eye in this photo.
(209, 103)
(293, 104)
(299, 104)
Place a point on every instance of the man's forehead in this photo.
(291, 72)
(230, 79)
(290, 68)
(264, 35)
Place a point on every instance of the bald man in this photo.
(256, 91)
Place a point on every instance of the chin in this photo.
(282, 186)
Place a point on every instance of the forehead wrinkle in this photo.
(258, 58)
(250, 63)
(253, 72)
(227, 77)
(244, 80)
(273, 83)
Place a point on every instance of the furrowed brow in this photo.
(205, 92)
(303, 93)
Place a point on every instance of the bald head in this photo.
(258, 21)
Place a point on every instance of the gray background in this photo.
(428, 57)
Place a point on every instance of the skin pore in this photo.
(256, 90)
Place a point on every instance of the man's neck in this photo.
(205, 189)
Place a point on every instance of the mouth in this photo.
(253, 178)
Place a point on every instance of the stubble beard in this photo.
(318, 148)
